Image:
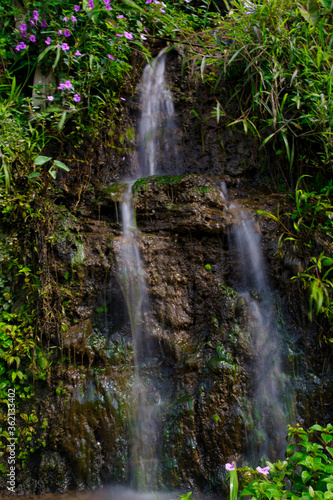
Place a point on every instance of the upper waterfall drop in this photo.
(157, 140)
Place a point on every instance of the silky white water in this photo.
(157, 141)
(268, 421)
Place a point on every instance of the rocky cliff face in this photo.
(200, 376)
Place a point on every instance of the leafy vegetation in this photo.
(307, 471)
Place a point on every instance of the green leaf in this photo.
(43, 54)
(53, 173)
(60, 164)
(268, 214)
(33, 175)
(57, 58)
(311, 13)
(306, 476)
(62, 120)
(40, 160)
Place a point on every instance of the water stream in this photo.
(269, 417)
(155, 130)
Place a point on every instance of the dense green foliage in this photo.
(307, 471)
(279, 53)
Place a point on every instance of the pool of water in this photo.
(108, 493)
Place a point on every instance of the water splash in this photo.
(266, 438)
(157, 131)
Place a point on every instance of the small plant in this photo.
(307, 471)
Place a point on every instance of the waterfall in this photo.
(266, 438)
(131, 276)
(157, 132)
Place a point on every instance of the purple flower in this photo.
(68, 84)
(43, 23)
(65, 19)
(61, 86)
(143, 37)
(65, 47)
(60, 32)
(73, 18)
(48, 41)
(77, 98)
(67, 33)
(35, 15)
(264, 471)
(163, 11)
(32, 22)
(110, 57)
(32, 38)
(23, 27)
(24, 34)
(91, 4)
(123, 98)
(78, 53)
(50, 97)
(119, 34)
(120, 17)
(128, 35)
(76, 8)
(230, 467)
(21, 46)
(149, 1)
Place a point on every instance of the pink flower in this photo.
(73, 18)
(43, 23)
(78, 53)
(163, 11)
(77, 98)
(50, 97)
(23, 27)
(68, 84)
(91, 4)
(35, 15)
(230, 467)
(60, 32)
(67, 33)
(120, 17)
(65, 19)
(32, 38)
(21, 46)
(76, 8)
(119, 34)
(48, 41)
(264, 471)
(65, 47)
(61, 86)
(143, 37)
(110, 57)
(128, 35)
(149, 1)
(123, 98)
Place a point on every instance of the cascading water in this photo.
(155, 131)
(269, 417)
(157, 137)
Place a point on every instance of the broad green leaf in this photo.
(33, 175)
(53, 173)
(40, 160)
(311, 13)
(306, 476)
(60, 164)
